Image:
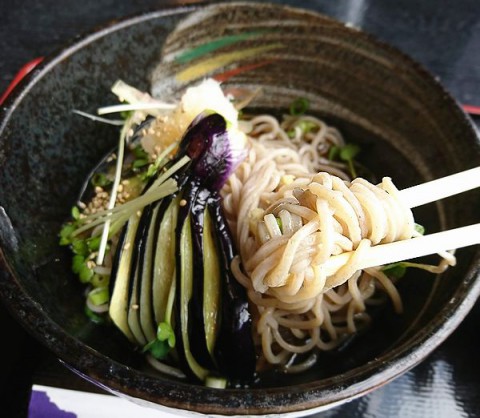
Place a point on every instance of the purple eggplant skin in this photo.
(195, 200)
(235, 350)
(207, 144)
(196, 330)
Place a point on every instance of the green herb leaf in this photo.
(100, 180)
(66, 234)
(85, 274)
(346, 153)
(80, 246)
(158, 349)
(333, 152)
(349, 151)
(126, 114)
(140, 163)
(78, 263)
(299, 106)
(140, 153)
(306, 126)
(75, 213)
(151, 171)
(93, 243)
(165, 333)
(396, 270)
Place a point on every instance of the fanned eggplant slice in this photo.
(145, 269)
(121, 276)
(212, 283)
(177, 275)
(235, 350)
(164, 262)
(185, 279)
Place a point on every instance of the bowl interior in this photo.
(408, 128)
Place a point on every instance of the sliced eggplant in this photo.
(133, 316)
(212, 283)
(145, 266)
(164, 263)
(199, 347)
(235, 350)
(185, 278)
(120, 277)
(178, 269)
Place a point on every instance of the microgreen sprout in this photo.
(299, 106)
(304, 126)
(100, 180)
(346, 153)
(165, 341)
(395, 270)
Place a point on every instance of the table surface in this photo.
(443, 35)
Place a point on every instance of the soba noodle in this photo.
(290, 208)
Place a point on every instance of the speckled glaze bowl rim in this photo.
(293, 401)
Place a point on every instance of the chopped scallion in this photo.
(299, 106)
(216, 382)
(99, 296)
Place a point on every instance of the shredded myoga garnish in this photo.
(207, 237)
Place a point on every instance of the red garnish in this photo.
(232, 73)
(29, 66)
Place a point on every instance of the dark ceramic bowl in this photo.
(407, 124)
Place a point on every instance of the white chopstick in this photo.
(434, 190)
(411, 248)
(421, 194)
